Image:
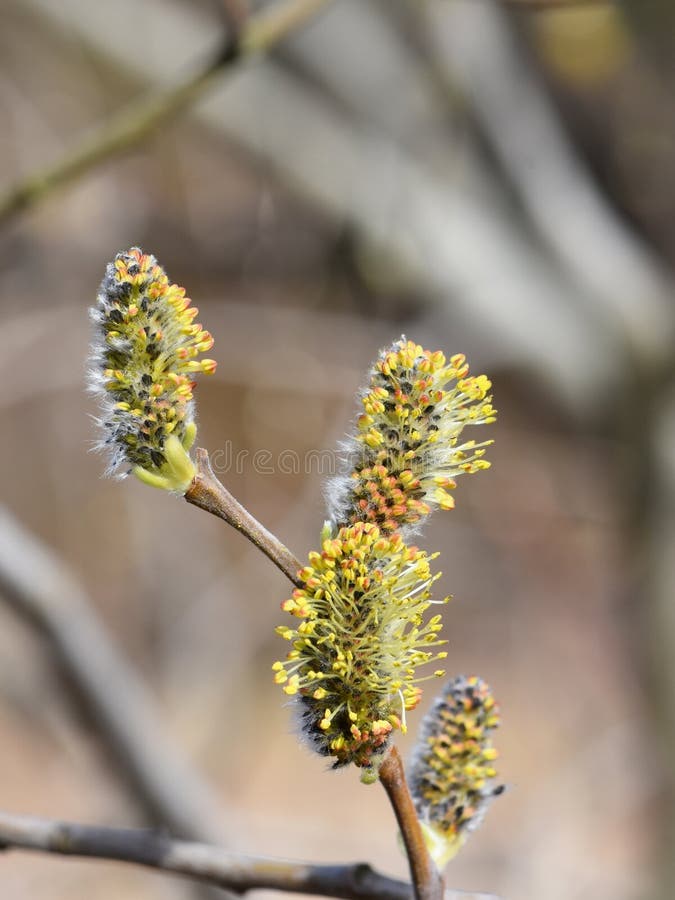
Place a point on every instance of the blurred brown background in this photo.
(490, 178)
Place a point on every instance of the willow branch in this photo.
(541, 5)
(201, 862)
(271, 25)
(209, 494)
(140, 119)
(427, 882)
(233, 12)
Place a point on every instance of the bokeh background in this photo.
(494, 178)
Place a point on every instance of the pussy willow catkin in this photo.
(361, 638)
(452, 773)
(403, 460)
(144, 359)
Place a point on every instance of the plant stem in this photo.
(543, 5)
(141, 118)
(426, 880)
(209, 494)
(202, 862)
(272, 24)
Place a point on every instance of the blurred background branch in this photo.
(45, 594)
(544, 5)
(242, 40)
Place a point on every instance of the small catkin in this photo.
(452, 771)
(144, 358)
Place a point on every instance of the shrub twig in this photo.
(426, 879)
(202, 862)
(207, 492)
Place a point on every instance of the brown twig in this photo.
(136, 122)
(201, 862)
(427, 882)
(234, 13)
(542, 5)
(209, 494)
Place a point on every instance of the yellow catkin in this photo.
(359, 641)
(452, 773)
(145, 356)
(404, 459)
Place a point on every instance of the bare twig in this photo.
(142, 118)
(542, 5)
(233, 12)
(201, 862)
(427, 882)
(40, 588)
(275, 22)
(209, 494)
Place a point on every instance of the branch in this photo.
(209, 494)
(274, 23)
(142, 118)
(427, 882)
(541, 5)
(234, 13)
(43, 591)
(201, 862)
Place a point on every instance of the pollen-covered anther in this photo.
(143, 362)
(355, 672)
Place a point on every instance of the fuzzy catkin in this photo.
(405, 455)
(144, 358)
(452, 773)
(360, 640)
